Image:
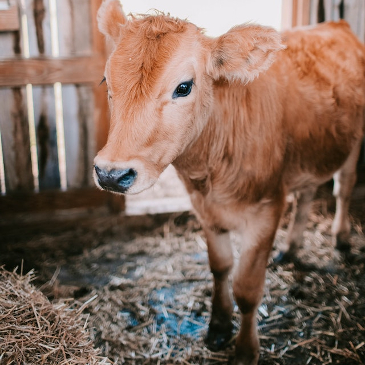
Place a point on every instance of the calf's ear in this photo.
(111, 18)
(243, 52)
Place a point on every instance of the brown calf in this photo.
(245, 120)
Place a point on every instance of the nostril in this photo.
(115, 180)
(126, 178)
(98, 171)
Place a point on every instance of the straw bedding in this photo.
(147, 299)
(35, 331)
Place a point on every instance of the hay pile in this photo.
(35, 331)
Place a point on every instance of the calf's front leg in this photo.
(221, 262)
(249, 278)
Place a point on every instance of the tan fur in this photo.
(244, 137)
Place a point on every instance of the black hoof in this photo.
(283, 258)
(218, 337)
(342, 245)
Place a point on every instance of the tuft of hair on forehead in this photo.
(155, 25)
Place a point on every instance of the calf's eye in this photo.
(183, 89)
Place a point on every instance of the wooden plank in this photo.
(39, 28)
(9, 19)
(23, 163)
(75, 40)
(51, 201)
(295, 13)
(328, 10)
(286, 14)
(45, 125)
(354, 13)
(303, 15)
(81, 34)
(6, 100)
(15, 140)
(313, 18)
(39, 36)
(336, 10)
(79, 135)
(43, 71)
(75, 34)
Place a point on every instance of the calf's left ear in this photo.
(243, 52)
(111, 18)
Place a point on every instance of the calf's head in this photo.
(160, 79)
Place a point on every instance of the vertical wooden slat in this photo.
(354, 11)
(7, 139)
(328, 10)
(336, 10)
(23, 164)
(295, 13)
(320, 11)
(6, 51)
(75, 36)
(44, 114)
(313, 17)
(286, 14)
(82, 35)
(81, 27)
(40, 43)
(303, 14)
(78, 134)
(75, 40)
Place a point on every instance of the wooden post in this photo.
(295, 13)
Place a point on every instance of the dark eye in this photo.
(183, 89)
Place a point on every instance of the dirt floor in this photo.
(148, 285)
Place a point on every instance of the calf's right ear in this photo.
(111, 18)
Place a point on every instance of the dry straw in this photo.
(35, 331)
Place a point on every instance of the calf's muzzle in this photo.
(115, 180)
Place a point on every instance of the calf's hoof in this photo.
(218, 336)
(284, 257)
(247, 358)
(342, 244)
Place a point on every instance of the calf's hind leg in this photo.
(301, 208)
(344, 181)
(221, 262)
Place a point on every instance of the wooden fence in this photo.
(54, 113)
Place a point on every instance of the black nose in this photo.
(116, 180)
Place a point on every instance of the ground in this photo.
(148, 285)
